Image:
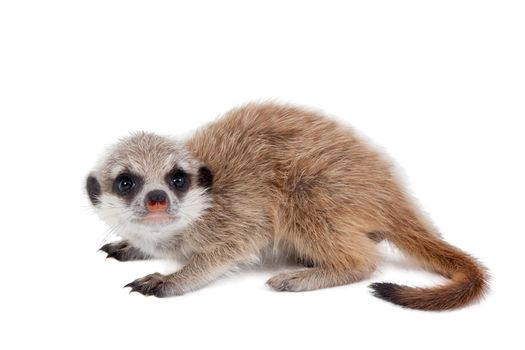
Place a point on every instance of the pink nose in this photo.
(157, 200)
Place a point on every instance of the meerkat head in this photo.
(149, 184)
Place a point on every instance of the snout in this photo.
(156, 201)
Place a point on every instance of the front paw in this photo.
(122, 251)
(154, 284)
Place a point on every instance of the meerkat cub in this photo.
(270, 180)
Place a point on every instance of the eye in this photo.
(178, 180)
(125, 184)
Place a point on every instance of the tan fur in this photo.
(288, 181)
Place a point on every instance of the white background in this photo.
(439, 85)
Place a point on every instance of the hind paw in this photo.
(288, 282)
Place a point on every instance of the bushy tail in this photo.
(468, 278)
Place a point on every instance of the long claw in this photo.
(130, 284)
(105, 247)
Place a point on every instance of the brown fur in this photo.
(294, 179)
(288, 181)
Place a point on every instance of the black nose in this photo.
(156, 196)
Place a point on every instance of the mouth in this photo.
(156, 218)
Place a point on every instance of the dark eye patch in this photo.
(179, 181)
(127, 185)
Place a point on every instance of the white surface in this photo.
(440, 86)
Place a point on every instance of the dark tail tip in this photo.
(388, 291)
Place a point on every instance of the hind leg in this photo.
(316, 278)
(343, 258)
(329, 237)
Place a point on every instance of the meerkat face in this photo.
(149, 185)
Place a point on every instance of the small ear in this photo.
(205, 178)
(93, 189)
